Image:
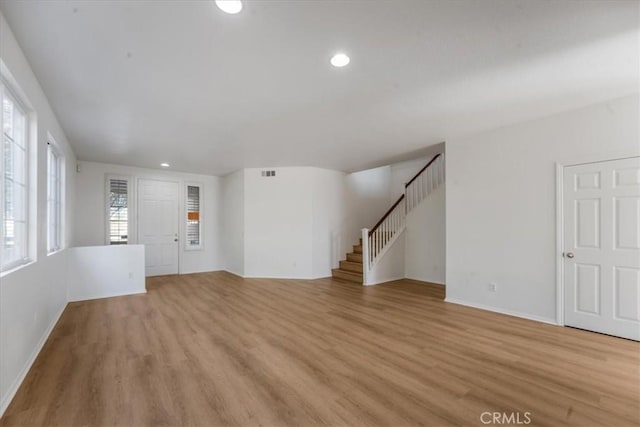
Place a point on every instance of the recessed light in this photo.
(229, 6)
(165, 165)
(339, 60)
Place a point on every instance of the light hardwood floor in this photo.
(214, 349)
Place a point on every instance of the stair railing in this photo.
(377, 238)
(424, 182)
(375, 241)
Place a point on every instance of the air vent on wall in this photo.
(269, 173)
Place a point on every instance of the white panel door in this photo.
(158, 225)
(602, 247)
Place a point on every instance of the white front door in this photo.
(158, 220)
(602, 247)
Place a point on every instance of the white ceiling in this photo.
(139, 82)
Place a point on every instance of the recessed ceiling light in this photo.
(165, 165)
(229, 6)
(339, 60)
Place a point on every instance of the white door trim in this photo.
(560, 226)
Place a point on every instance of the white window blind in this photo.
(14, 188)
(118, 211)
(194, 220)
(54, 199)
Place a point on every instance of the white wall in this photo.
(292, 225)
(232, 232)
(278, 223)
(426, 239)
(32, 298)
(369, 195)
(331, 229)
(91, 225)
(105, 271)
(501, 211)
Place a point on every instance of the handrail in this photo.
(375, 227)
(421, 170)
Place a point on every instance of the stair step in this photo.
(346, 275)
(351, 266)
(357, 249)
(353, 257)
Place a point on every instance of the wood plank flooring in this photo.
(214, 349)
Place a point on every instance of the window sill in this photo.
(16, 268)
(55, 251)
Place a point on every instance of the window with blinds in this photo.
(194, 220)
(14, 186)
(118, 211)
(54, 199)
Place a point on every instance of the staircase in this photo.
(361, 263)
(351, 268)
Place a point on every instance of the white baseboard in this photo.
(422, 279)
(115, 294)
(278, 277)
(502, 311)
(199, 270)
(234, 273)
(380, 282)
(11, 392)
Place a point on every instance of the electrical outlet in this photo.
(493, 287)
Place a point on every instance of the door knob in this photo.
(569, 255)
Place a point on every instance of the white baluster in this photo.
(371, 245)
(430, 180)
(396, 216)
(392, 222)
(386, 231)
(365, 255)
(410, 206)
(413, 186)
(375, 246)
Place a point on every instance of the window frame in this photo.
(107, 229)
(188, 246)
(54, 151)
(27, 255)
